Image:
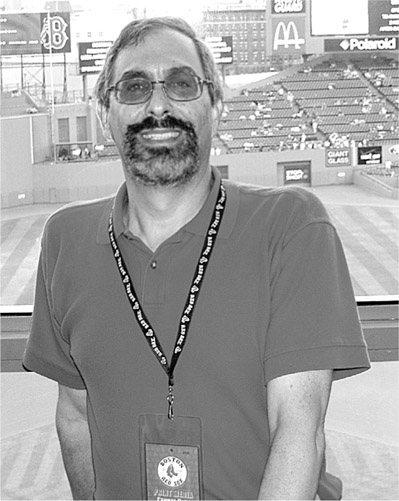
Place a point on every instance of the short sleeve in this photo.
(314, 321)
(47, 352)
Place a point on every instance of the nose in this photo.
(159, 104)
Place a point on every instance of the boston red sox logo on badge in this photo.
(172, 471)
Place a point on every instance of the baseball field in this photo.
(367, 224)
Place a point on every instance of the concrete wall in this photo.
(67, 182)
(265, 168)
(27, 139)
(16, 162)
(64, 182)
(41, 137)
(24, 183)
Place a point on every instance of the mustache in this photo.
(168, 122)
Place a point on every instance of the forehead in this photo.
(160, 51)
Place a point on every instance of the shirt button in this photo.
(154, 264)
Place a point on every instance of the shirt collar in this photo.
(198, 225)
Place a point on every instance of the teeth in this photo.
(160, 136)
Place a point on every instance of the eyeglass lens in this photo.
(178, 86)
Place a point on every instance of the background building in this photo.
(246, 23)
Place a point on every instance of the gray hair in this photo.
(135, 32)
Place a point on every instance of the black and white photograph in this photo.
(199, 250)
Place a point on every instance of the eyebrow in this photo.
(142, 74)
(133, 74)
(188, 69)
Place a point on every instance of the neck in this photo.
(156, 213)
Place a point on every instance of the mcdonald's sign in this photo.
(288, 35)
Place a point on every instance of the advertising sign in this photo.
(221, 48)
(354, 17)
(297, 174)
(92, 56)
(288, 35)
(384, 17)
(339, 17)
(369, 155)
(368, 44)
(41, 33)
(338, 157)
(288, 6)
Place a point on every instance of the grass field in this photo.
(370, 238)
(368, 226)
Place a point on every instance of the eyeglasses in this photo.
(179, 86)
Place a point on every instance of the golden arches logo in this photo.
(282, 36)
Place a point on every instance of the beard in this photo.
(161, 166)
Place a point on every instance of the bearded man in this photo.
(194, 326)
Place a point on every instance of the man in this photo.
(194, 328)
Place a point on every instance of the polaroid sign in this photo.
(338, 157)
(288, 6)
(288, 35)
(361, 44)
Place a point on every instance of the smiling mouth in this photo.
(160, 135)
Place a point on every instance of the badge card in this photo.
(170, 458)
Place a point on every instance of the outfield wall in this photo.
(267, 168)
(24, 181)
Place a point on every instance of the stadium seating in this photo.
(327, 102)
(15, 103)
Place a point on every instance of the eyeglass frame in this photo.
(201, 82)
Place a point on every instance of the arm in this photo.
(74, 436)
(296, 406)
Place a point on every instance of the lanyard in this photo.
(191, 300)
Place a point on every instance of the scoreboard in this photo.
(221, 48)
(354, 17)
(35, 33)
(92, 56)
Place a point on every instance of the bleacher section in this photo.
(262, 119)
(324, 102)
(15, 103)
(331, 102)
(384, 76)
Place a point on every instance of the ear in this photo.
(217, 109)
(102, 113)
